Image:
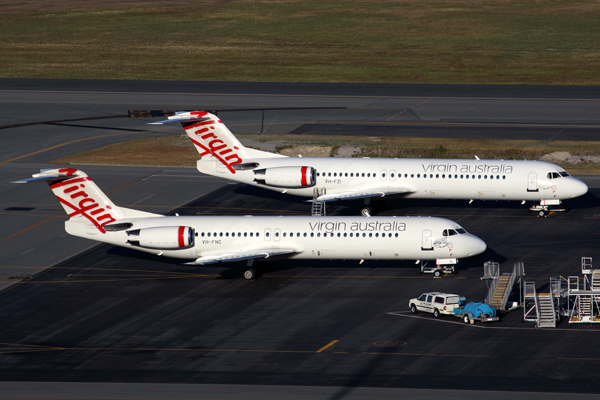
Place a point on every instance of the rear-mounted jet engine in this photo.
(163, 238)
(286, 177)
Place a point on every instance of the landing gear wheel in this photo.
(249, 274)
(466, 319)
(436, 313)
(366, 211)
(413, 309)
(437, 273)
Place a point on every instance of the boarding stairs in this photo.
(584, 294)
(543, 309)
(500, 286)
(318, 207)
(498, 294)
(546, 313)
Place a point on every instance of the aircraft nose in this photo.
(579, 189)
(476, 246)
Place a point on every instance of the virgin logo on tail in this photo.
(215, 147)
(81, 203)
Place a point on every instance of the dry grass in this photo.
(428, 41)
(178, 151)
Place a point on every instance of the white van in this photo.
(437, 303)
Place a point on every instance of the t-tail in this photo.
(220, 150)
(82, 199)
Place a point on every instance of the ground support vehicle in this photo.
(437, 303)
(472, 312)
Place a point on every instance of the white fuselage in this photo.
(423, 178)
(360, 238)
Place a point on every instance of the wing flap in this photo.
(363, 193)
(240, 255)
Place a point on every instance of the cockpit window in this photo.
(556, 175)
(452, 232)
(553, 175)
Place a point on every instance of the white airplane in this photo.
(212, 239)
(328, 179)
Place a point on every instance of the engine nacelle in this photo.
(286, 177)
(163, 238)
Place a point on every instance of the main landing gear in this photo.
(252, 272)
(372, 208)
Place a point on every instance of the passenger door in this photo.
(532, 182)
(427, 244)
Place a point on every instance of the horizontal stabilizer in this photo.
(50, 174)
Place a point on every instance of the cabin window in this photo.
(276, 234)
(503, 176)
(346, 174)
(312, 234)
(245, 234)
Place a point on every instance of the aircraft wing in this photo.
(240, 255)
(363, 193)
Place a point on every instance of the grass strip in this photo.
(419, 41)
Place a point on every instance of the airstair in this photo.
(547, 314)
(500, 286)
(584, 294)
(318, 207)
(543, 309)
